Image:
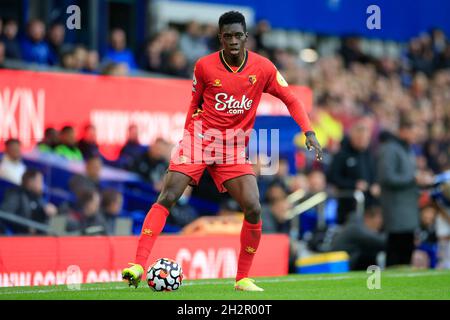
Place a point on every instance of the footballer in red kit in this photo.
(226, 91)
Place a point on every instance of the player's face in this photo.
(233, 39)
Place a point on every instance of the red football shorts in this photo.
(219, 172)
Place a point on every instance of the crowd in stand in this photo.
(384, 124)
(169, 52)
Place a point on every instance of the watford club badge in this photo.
(252, 78)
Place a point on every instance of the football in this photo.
(164, 275)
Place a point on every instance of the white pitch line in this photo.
(215, 282)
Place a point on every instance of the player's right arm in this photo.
(198, 87)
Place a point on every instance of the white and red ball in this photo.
(164, 275)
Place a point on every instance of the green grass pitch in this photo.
(395, 284)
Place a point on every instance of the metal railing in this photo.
(301, 205)
(10, 217)
(57, 225)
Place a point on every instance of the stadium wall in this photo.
(33, 261)
(31, 101)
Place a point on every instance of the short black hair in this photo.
(12, 141)
(67, 129)
(109, 196)
(49, 131)
(372, 210)
(86, 197)
(231, 17)
(92, 157)
(29, 175)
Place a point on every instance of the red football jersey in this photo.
(225, 97)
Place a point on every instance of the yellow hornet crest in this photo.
(252, 78)
(147, 232)
(250, 250)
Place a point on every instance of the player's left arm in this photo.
(278, 87)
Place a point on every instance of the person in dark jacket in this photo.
(353, 168)
(152, 165)
(88, 143)
(132, 149)
(87, 219)
(111, 207)
(90, 180)
(399, 182)
(361, 238)
(9, 38)
(27, 201)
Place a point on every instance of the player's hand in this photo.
(312, 143)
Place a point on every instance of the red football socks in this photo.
(153, 225)
(250, 236)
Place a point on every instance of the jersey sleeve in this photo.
(198, 86)
(277, 86)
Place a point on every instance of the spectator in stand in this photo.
(9, 38)
(132, 148)
(88, 143)
(11, 166)
(34, 47)
(316, 220)
(150, 58)
(399, 192)
(2, 55)
(27, 201)
(87, 219)
(275, 210)
(115, 69)
(351, 51)
(361, 238)
(436, 148)
(210, 34)
(182, 213)
(275, 214)
(441, 201)
(90, 180)
(192, 43)
(153, 164)
(178, 65)
(56, 35)
(229, 207)
(68, 147)
(425, 254)
(118, 51)
(50, 141)
(283, 172)
(68, 60)
(262, 28)
(80, 55)
(158, 50)
(353, 168)
(92, 63)
(111, 207)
